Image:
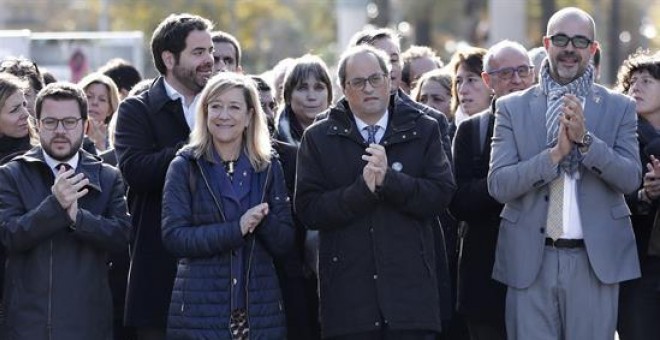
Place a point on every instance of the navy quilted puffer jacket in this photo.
(195, 231)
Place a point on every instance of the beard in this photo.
(61, 155)
(190, 78)
(567, 74)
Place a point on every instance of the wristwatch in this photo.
(586, 141)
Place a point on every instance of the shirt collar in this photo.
(382, 122)
(174, 94)
(52, 163)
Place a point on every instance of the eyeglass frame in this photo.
(364, 81)
(58, 122)
(514, 70)
(570, 40)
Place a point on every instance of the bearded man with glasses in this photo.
(61, 212)
(564, 153)
(372, 177)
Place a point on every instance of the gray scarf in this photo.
(580, 87)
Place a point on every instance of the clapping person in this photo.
(226, 216)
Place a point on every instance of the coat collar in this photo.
(88, 165)
(402, 118)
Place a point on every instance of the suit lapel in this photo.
(592, 109)
(537, 108)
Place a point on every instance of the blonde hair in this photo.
(255, 140)
(113, 92)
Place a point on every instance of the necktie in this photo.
(371, 133)
(65, 165)
(554, 222)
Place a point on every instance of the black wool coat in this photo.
(150, 129)
(376, 249)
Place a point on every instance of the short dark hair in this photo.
(302, 68)
(224, 37)
(25, 69)
(62, 91)
(123, 73)
(171, 34)
(642, 60)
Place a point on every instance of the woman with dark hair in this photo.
(470, 94)
(639, 299)
(226, 216)
(307, 92)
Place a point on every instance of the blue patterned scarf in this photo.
(580, 87)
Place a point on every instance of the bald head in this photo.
(571, 14)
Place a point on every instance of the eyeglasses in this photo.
(68, 123)
(507, 73)
(376, 80)
(578, 41)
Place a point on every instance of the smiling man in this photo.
(62, 211)
(564, 153)
(151, 128)
(371, 177)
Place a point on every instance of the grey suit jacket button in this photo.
(546, 197)
(542, 230)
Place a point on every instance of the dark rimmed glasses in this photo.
(376, 80)
(578, 41)
(68, 123)
(507, 73)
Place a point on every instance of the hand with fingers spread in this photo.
(251, 219)
(573, 118)
(68, 188)
(376, 167)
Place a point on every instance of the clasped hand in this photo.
(571, 127)
(376, 167)
(68, 188)
(251, 219)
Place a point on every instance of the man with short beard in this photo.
(151, 128)
(564, 153)
(61, 212)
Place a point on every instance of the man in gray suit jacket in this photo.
(564, 153)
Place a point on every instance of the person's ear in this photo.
(168, 59)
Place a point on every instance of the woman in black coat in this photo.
(15, 135)
(226, 216)
(307, 92)
(639, 299)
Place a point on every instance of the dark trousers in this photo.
(639, 304)
(486, 330)
(387, 334)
